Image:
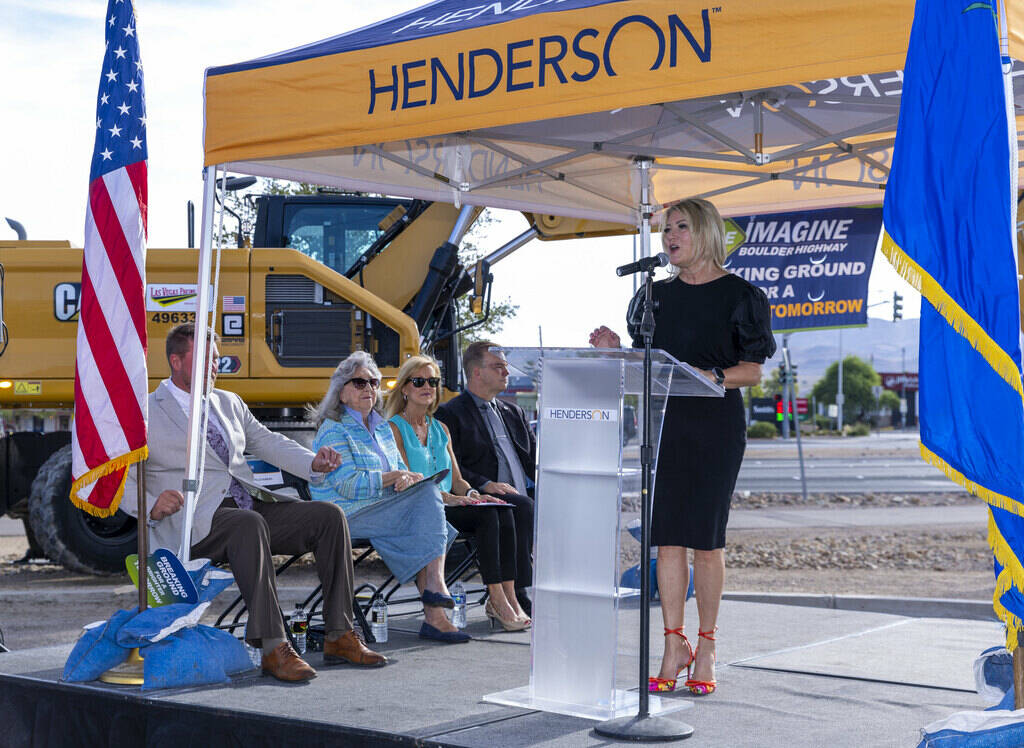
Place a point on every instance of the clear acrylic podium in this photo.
(588, 460)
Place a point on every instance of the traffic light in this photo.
(897, 306)
(782, 374)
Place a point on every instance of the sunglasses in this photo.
(360, 384)
(420, 381)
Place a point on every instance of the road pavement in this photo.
(883, 462)
(969, 515)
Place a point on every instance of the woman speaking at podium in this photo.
(721, 324)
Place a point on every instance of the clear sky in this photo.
(51, 51)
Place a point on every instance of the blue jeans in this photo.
(408, 528)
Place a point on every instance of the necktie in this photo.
(220, 448)
(506, 450)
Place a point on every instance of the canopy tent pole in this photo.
(644, 726)
(190, 485)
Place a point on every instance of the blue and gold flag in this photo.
(949, 229)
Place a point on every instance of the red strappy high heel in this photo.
(703, 687)
(666, 685)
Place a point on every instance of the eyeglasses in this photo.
(420, 381)
(360, 384)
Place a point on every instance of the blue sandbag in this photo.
(97, 649)
(993, 675)
(194, 656)
(631, 578)
(176, 650)
(975, 730)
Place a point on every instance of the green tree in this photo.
(858, 379)
(502, 310)
(751, 392)
(889, 399)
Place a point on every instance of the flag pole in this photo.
(143, 535)
(131, 672)
(1018, 675)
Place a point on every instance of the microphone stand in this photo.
(643, 726)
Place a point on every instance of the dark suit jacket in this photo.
(471, 439)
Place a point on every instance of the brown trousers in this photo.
(248, 539)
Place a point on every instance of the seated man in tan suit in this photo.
(238, 522)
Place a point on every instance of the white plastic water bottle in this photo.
(255, 655)
(299, 622)
(459, 613)
(379, 620)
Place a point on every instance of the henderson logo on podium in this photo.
(580, 414)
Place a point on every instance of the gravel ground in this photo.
(752, 500)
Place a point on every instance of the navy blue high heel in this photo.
(448, 637)
(437, 600)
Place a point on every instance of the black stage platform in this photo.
(789, 676)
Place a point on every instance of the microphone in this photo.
(643, 265)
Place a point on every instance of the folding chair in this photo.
(463, 570)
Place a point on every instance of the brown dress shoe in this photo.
(350, 648)
(285, 664)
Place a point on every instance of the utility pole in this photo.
(903, 388)
(839, 385)
(784, 380)
(791, 403)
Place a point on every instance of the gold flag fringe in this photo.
(1012, 576)
(990, 497)
(1013, 571)
(123, 461)
(944, 304)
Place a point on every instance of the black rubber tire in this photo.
(69, 536)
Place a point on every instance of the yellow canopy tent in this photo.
(543, 106)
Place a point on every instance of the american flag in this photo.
(110, 373)
(234, 303)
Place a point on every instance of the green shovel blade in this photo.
(166, 579)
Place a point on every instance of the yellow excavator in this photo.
(329, 274)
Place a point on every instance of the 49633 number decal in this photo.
(173, 318)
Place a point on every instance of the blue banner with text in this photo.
(813, 265)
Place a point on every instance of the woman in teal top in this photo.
(383, 500)
(425, 445)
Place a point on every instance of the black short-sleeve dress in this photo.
(718, 323)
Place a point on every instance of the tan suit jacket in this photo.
(165, 468)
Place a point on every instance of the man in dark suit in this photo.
(243, 524)
(495, 447)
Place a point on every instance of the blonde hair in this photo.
(395, 402)
(707, 229)
(330, 406)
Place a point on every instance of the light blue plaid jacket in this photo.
(358, 481)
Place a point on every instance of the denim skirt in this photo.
(407, 528)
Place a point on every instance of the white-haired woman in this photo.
(718, 322)
(407, 527)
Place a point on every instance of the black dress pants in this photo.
(494, 533)
(523, 512)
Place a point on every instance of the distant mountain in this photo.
(879, 343)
